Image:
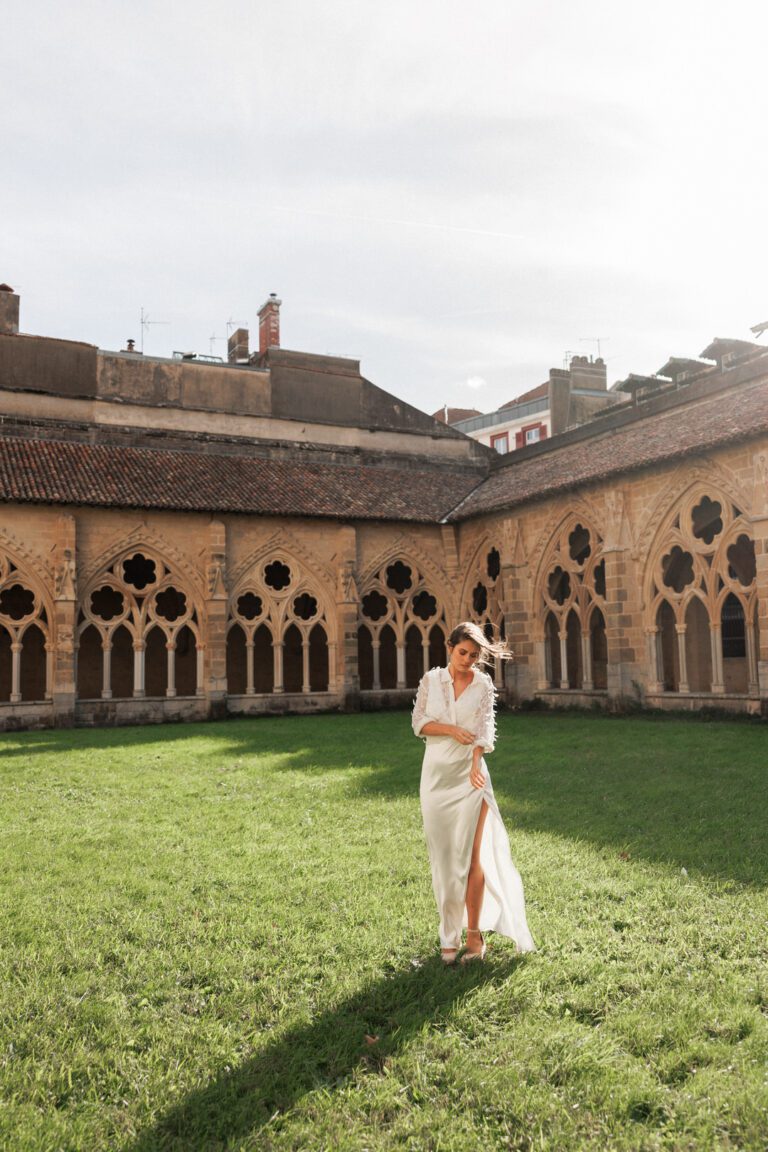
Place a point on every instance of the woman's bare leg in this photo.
(476, 879)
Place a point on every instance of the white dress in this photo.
(451, 809)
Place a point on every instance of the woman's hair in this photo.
(489, 649)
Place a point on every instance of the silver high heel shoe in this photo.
(470, 955)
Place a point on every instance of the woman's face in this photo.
(463, 656)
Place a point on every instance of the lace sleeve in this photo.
(420, 715)
(486, 718)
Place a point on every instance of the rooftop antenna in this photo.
(213, 340)
(567, 357)
(232, 324)
(146, 324)
(599, 340)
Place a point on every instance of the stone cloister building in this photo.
(187, 539)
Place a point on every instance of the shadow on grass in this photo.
(322, 1054)
(667, 790)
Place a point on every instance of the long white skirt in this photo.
(451, 809)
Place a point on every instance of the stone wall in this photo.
(651, 591)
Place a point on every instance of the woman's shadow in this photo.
(364, 1031)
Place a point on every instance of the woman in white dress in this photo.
(476, 884)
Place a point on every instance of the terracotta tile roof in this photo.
(642, 441)
(532, 394)
(455, 414)
(115, 476)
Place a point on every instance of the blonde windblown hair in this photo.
(489, 649)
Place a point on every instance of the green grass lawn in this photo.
(223, 937)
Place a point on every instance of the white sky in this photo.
(455, 194)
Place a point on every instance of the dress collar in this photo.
(445, 675)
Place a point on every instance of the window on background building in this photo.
(500, 442)
(532, 434)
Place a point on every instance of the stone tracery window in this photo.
(484, 606)
(572, 603)
(701, 600)
(25, 673)
(138, 633)
(402, 627)
(278, 632)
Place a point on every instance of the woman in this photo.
(474, 880)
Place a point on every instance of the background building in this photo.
(570, 397)
(182, 539)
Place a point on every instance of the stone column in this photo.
(452, 565)
(544, 663)
(106, 668)
(627, 652)
(346, 680)
(171, 650)
(332, 665)
(760, 535)
(249, 666)
(63, 682)
(716, 648)
(655, 660)
(376, 649)
(212, 677)
(15, 672)
(621, 617)
(682, 656)
(200, 690)
(749, 634)
(138, 669)
(401, 666)
(49, 654)
(277, 656)
(305, 664)
(564, 679)
(587, 683)
(524, 675)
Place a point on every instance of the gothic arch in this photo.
(701, 554)
(402, 620)
(570, 609)
(140, 625)
(406, 547)
(281, 613)
(23, 557)
(707, 474)
(579, 507)
(143, 538)
(482, 594)
(286, 542)
(26, 625)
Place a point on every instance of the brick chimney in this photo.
(237, 346)
(9, 311)
(269, 324)
(588, 373)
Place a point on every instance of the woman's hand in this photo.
(462, 735)
(476, 774)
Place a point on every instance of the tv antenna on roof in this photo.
(146, 324)
(232, 324)
(595, 340)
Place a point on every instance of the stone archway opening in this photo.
(552, 650)
(599, 648)
(733, 627)
(698, 647)
(670, 658)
